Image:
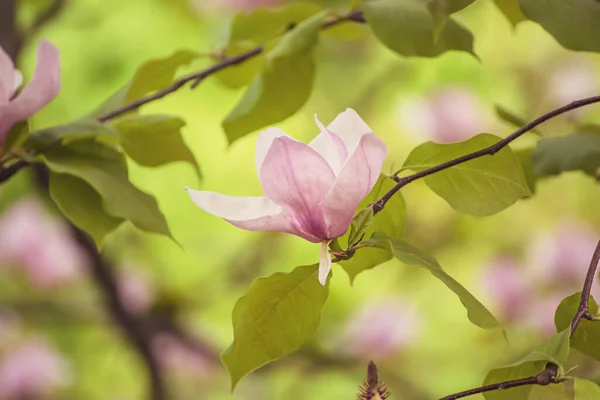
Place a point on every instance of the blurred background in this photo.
(57, 341)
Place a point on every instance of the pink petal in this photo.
(324, 262)
(263, 144)
(43, 87)
(330, 146)
(350, 127)
(7, 69)
(295, 176)
(250, 213)
(354, 182)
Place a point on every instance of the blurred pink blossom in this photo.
(41, 90)
(381, 329)
(451, 114)
(509, 287)
(39, 244)
(32, 370)
(573, 80)
(136, 290)
(174, 355)
(10, 326)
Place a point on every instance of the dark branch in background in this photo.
(493, 149)
(583, 310)
(45, 17)
(544, 378)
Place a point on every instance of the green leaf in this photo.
(585, 338)
(573, 23)
(525, 157)
(105, 170)
(410, 255)
(264, 24)
(78, 130)
(361, 222)
(284, 84)
(389, 222)
(82, 205)
(153, 140)
(512, 118)
(240, 75)
(441, 9)
(277, 315)
(555, 350)
(511, 10)
(153, 75)
(575, 152)
(408, 28)
(483, 186)
(15, 137)
(586, 390)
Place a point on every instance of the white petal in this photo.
(330, 146)
(263, 144)
(324, 262)
(350, 127)
(17, 81)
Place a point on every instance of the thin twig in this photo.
(493, 149)
(544, 378)
(583, 310)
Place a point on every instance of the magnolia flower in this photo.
(312, 190)
(42, 88)
(508, 285)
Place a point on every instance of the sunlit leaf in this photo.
(555, 350)
(242, 74)
(153, 140)
(525, 157)
(585, 338)
(573, 23)
(277, 315)
(151, 76)
(263, 24)
(390, 222)
(586, 390)
(575, 152)
(284, 84)
(511, 10)
(82, 205)
(78, 130)
(105, 170)
(408, 28)
(483, 186)
(441, 9)
(360, 224)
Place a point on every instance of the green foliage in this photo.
(555, 349)
(410, 255)
(78, 130)
(573, 23)
(104, 169)
(512, 118)
(483, 186)
(511, 10)
(525, 157)
(240, 75)
(586, 390)
(15, 137)
(151, 76)
(441, 9)
(408, 28)
(390, 222)
(273, 319)
(153, 140)
(360, 224)
(575, 152)
(264, 24)
(585, 338)
(284, 84)
(82, 205)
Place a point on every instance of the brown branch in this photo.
(491, 150)
(583, 310)
(544, 378)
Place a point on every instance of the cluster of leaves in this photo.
(89, 178)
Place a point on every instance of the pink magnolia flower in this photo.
(312, 190)
(381, 329)
(39, 244)
(136, 290)
(32, 370)
(42, 88)
(173, 354)
(509, 286)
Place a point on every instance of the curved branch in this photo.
(493, 149)
(583, 310)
